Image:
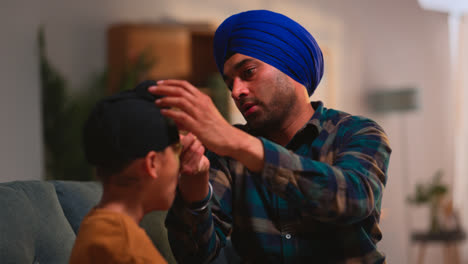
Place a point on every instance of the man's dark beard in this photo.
(264, 128)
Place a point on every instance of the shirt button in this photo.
(288, 236)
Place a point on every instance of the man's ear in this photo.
(152, 163)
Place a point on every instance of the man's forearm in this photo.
(246, 149)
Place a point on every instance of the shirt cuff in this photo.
(197, 207)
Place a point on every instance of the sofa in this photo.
(40, 220)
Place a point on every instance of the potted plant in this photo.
(431, 194)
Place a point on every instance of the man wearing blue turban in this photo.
(299, 183)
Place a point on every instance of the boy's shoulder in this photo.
(109, 236)
(106, 222)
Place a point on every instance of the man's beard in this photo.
(272, 117)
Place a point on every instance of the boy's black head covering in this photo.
(126, 126)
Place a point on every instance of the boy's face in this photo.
(164, 187)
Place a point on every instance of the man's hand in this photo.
(193, 111)
(194, 169)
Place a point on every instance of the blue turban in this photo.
(274, 39)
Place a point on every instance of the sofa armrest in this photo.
(33, 227)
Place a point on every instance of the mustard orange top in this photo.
(111, 237)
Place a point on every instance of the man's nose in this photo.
(239, 89)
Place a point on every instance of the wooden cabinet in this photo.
(182, 51)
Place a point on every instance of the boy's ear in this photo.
(152, 163)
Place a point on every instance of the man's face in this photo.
(263, 94)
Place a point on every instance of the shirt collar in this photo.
(311, 129)
(317, 118)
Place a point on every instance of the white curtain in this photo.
(459, 39)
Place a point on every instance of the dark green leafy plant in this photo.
(63, 115)
(431, 194)
(64, 158)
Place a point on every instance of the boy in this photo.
(135, 151)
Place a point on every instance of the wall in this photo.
(20, 137)
(377, 44)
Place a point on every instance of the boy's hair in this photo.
(124, 127)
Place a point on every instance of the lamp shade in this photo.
(448, 6)
(391, 100)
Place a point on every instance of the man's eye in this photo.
(248, 73)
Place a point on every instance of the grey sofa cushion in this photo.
(33, 227)
(77, 199)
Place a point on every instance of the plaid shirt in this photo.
(317, 200)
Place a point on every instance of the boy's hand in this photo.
(194, 169)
